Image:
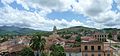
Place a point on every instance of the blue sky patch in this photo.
(1, 4)
(15, 5)
(114, 7)
(68, 15)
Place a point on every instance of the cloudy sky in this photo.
(44, 14)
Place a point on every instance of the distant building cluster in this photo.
(93, 45)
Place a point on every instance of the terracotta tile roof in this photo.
(16, 48)
(14, 45)
(88, 38)
(92, 42)
(99, 33)
(75, 49)
(70, 41)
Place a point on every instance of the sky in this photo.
(44, 14)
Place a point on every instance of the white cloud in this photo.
(92, 7)
(107, 19)
(98, 11)
(31, 20)
(59, 5)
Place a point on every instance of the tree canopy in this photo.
(110, 36)
(78, 38)
(118, 37)
(27, 51)
(57, 50)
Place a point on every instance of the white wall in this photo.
(73, 54)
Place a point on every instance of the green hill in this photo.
(12, 30)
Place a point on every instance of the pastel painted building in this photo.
(102, 37)
(95, 48)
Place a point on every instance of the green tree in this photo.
(3, 39)
(118, 37)
(57, 50)
(109, 36)
(44, 54)
(67, 37)
(27, 51)
(37, 44)
(78, 38)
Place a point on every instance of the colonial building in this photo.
(95, 48)
(115, 36)
(102, 37)
(71, 49)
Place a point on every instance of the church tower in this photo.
(54, 30)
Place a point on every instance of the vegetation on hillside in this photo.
(78, 38)
(12, 30)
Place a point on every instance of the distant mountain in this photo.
(85, 30)
(77, 30)
(111, 30)
(12, 30)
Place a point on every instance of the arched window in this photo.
(86, 54)
(99, 54)
(99, 48)
(108, 54)
(92, 48)
(92, 54)
(86, 48)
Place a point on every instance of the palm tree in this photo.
(27, 51)
(57, 50)
(37, 44)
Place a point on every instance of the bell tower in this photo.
(54, 30)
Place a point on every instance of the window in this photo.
(105, 35)
(99, 54)
(86, 54)
(102, 35)
(99, 48)
(100, 39)
(86, 47)
(92, 54)
(95, 35)
(92, 48)
(70, 54)
(108, 54)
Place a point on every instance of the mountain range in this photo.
(12, 30)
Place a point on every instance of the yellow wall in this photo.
(89, 47)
